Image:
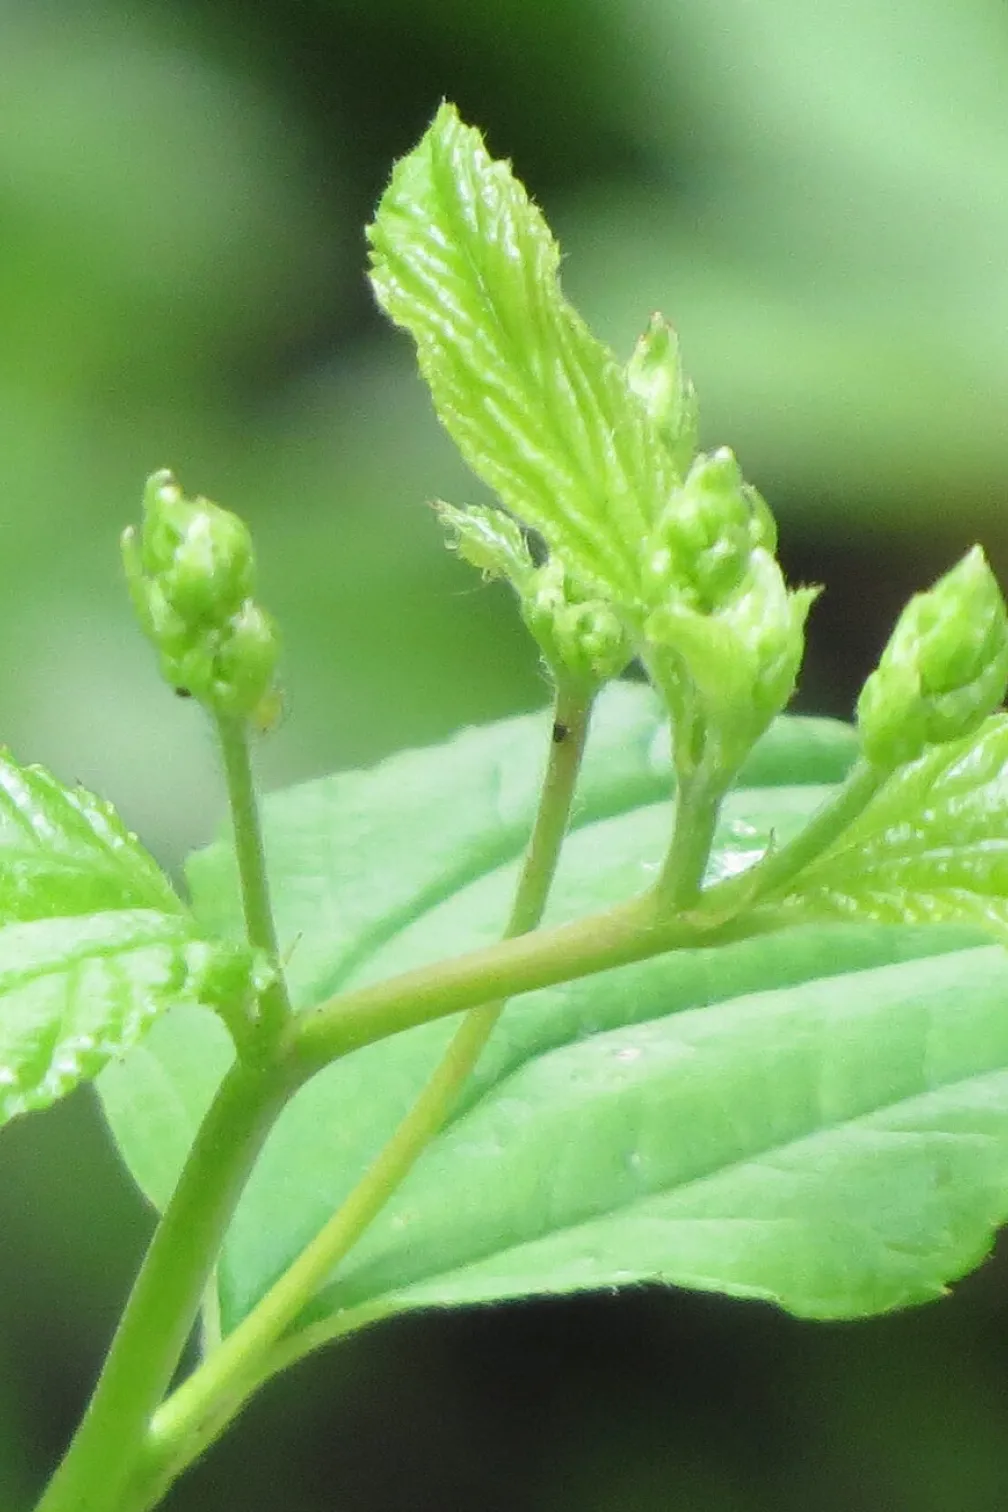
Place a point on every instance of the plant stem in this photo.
(200, 1409)
(696, 815)
(628, 932)
(166, 1296)
(168, 1291)
(780, 867)
(274, 1006)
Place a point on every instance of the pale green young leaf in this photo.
(931, 848)
(77, 992)
(64, 852)
(540, 409)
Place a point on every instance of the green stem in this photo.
(201, 1408)
(168, 1291)
(780, 867)
(274, 1006)
(696, 814)
(166, 1296)
(631, 931)
(628, 932)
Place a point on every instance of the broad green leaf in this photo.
(538, 407)
(338, 902)
(931, 847)
(318, 1150)
(64, 852)
(328, 842)
(77, 992)
(713, 1118)
(839, 1147)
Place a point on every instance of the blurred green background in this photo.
(817, 196)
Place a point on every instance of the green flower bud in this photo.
(734, 669)
(944, 669)
(654, 373)
(191, 572)
(200, 555)
(245, 663)
(701, 545)
(581, 638)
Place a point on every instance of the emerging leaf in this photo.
(590, 454)
(655, 374)
(540, 409)
(931, 848)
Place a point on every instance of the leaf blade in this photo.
(76, 992)
(932, 847)
(789, 1202)
(65, 852)
(539, 408)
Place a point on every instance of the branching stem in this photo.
(201, 1408)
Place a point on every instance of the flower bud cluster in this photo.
(944, 670)
(191, 574)
(720, 632)
(702, 542)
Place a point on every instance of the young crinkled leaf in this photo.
(581, 639)
(539, 408)
(77, 992)
(654, 552)
(64, 851)
(94, 942)
(932, 847)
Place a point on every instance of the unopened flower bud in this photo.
(944, 669)
(581, 637)
(191, 573)
(245, 664)
(740, 662)
(700, 547)
(200, 555)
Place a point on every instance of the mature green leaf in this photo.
(77, 992)
(328, 842)
(839, 1147)
(812, 1116)
(65, 852)
(932, 847)
(539, 408)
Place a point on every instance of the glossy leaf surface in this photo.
(64, 852)
(933, 845)
(77, 992)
